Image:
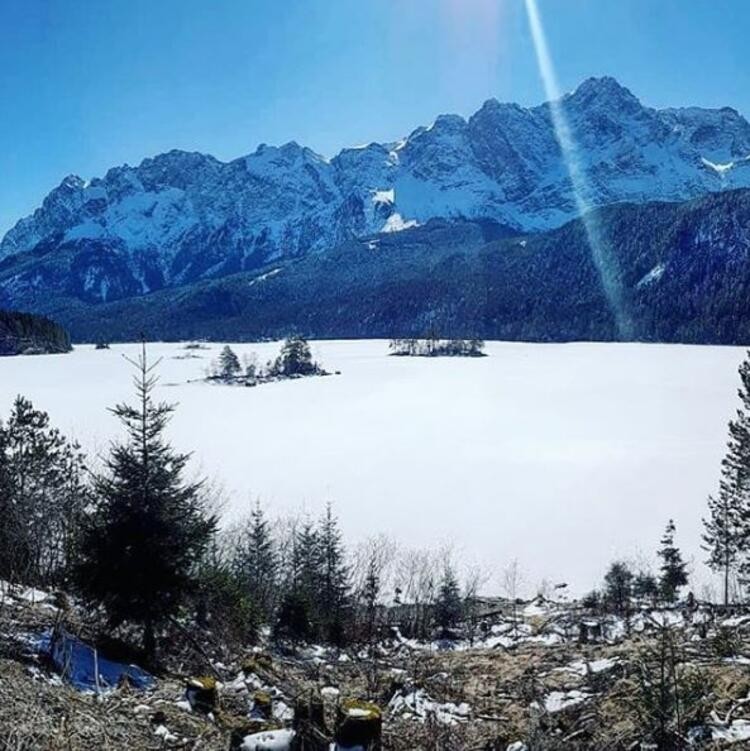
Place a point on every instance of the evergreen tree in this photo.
(229, 364)
(42, 496)
(295, 358)
(724, 535)
(645, 586)
(256, 562)
(369, 596)
(298, 615)
(141, 546)
(673, 573)
(449, 605)
(334, 578)
(727, 528)
(618, 586)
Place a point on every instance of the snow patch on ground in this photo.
(419, 705)
(556, 701)
(396, 223)
(268, 740)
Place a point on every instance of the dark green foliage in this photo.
(24, 332)
(42, 496)
(669, 694)
(592, 600)
(255, 562)
(673, 568)
(225, 606)
(727, 528)
(726, 642)
(149, 530)
(449, 603)
(295, 358)
(294, 617)
(369, 602)
(333, 594)
(229, 364)
(316, 596)
(645, 587)
(618, 587)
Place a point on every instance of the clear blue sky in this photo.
(88, 84)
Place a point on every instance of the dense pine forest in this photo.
(24, 333)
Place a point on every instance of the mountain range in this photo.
(182, 225)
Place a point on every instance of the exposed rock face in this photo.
(180, 217)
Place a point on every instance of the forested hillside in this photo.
(24, 333)
(682, 271)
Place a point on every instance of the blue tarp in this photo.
(78, 664)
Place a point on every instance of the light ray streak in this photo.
(601, 255)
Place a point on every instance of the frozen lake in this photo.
(562, 456)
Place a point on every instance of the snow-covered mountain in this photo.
(180, 216)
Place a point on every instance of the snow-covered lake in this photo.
(562, 456)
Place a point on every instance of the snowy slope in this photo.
(182, 216)
(493, 455)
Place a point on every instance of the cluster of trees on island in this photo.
(142, 543)
(433, 346)
(295, 360)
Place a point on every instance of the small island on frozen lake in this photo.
(295, 360)
(434, 346)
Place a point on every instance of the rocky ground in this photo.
(554, 678)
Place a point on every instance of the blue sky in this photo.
(88, 84)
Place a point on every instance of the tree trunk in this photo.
(149, 640)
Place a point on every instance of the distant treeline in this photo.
(25, 333)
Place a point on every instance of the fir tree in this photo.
(645, 586)
(298, 615)
(295, 358)
(229, 364)
(727, 528)
(673, 573)
(618, 586)
(256, 562)
(369, 595)
(42, 496)
(149, 530)
(724, 535)
(449, 605)
(334, 578)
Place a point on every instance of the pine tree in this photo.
(724, 535)
(618, 586)
(449, 605)
(645, 586)
(256, 562)
(295, 358)
(42, 495)
(727, 529)
(298, 615)
(369, 596)
(673, 568)
(229, 364)
(334, 578)
(149, 530)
